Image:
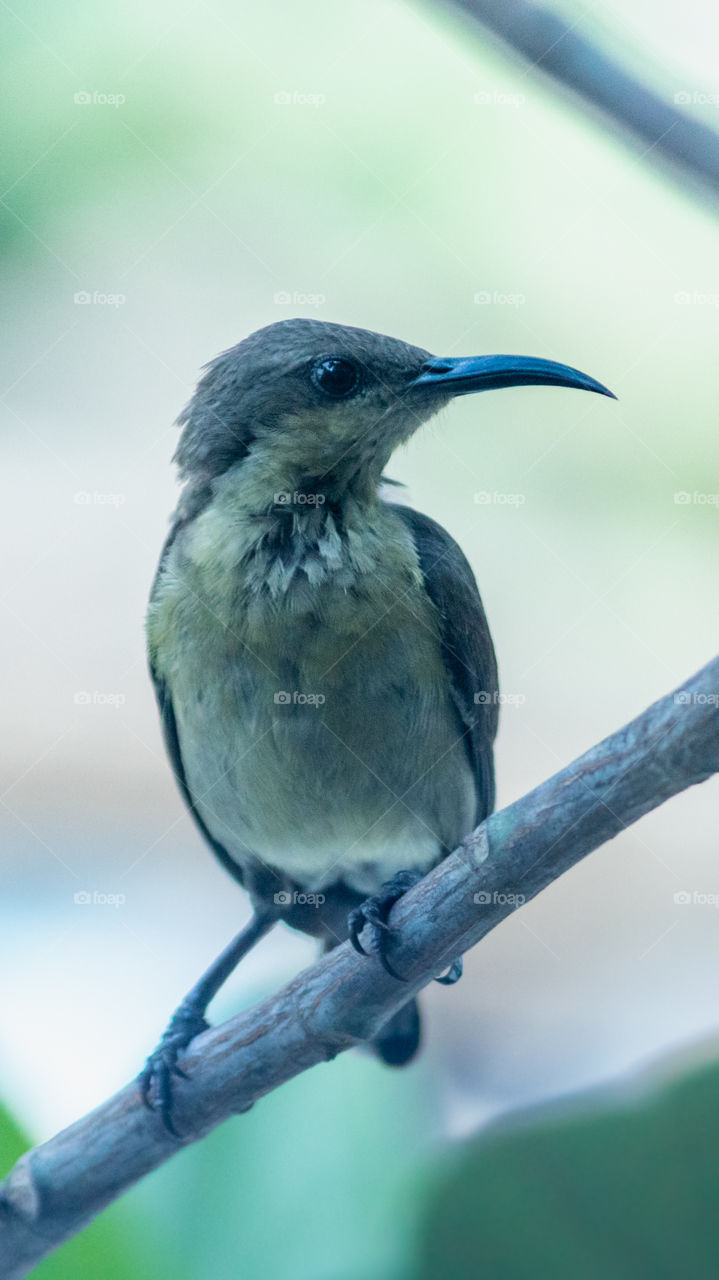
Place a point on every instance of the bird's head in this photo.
(325, 405)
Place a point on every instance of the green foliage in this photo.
(613, 1187)
(114, 1247)
(312, 1184)
(322, 1181)
(12, 1139)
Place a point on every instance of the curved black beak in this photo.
(464, 374)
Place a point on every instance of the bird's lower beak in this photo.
(465, 374)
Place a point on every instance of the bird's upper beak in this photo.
(461, 375)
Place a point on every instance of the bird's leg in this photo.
(188, 1020)
(374, 912)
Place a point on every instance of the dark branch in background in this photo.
(552, 45)
(55, 1190)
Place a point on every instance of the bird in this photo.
(323, 667)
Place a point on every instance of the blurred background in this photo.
(173, 177)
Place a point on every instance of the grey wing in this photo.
(172, 740)
(467, 646)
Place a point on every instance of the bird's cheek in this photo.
(338, 426)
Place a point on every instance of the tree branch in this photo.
(55, 1190)
(552, 45)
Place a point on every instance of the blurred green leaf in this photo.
(618, 1187)
(12, 1139)
(312, 1184)
(114, 1247)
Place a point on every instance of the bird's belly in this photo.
(327, 759)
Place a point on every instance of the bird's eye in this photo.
(336, 376)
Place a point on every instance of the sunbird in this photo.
(324, 670)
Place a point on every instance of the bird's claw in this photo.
(155, 1079)
(453, 974)
(374, 911)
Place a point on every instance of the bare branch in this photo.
(552, 45)
(55, 1190)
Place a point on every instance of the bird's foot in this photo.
(374, 912)
(156, 1078)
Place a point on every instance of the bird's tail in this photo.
(398, 1041)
